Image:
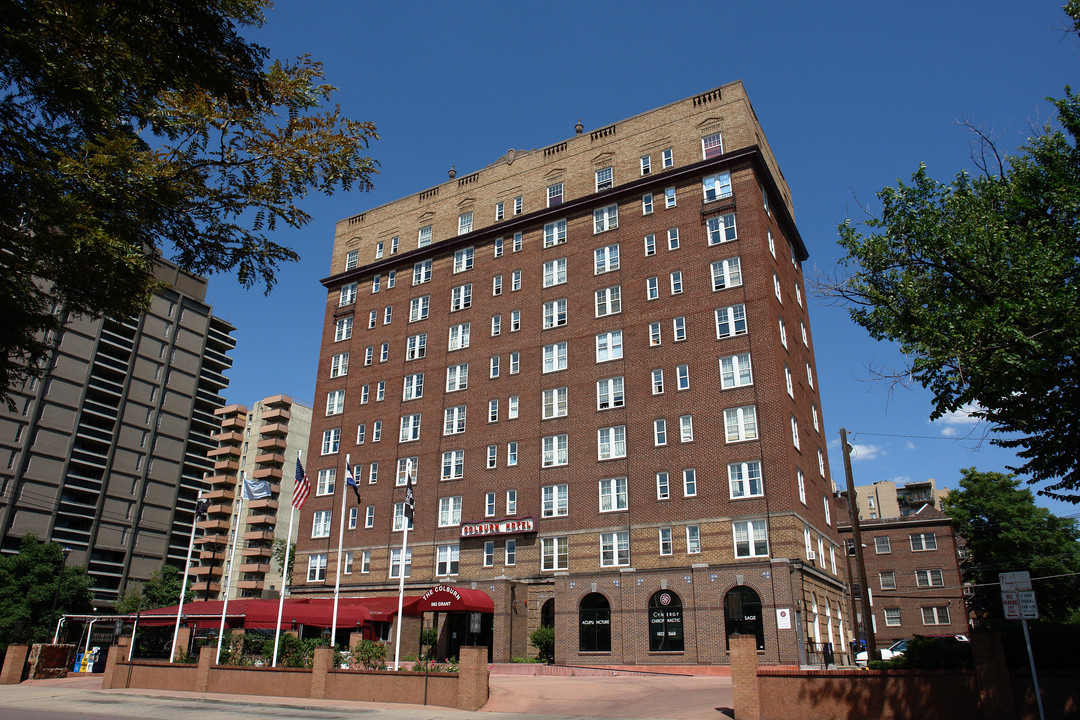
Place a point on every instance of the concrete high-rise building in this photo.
(884, 499)
(264, 443)
(105, 454)
(596, 357)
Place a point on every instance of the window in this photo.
(519, 205)
(821, 463)
(555, 233)
(554, 194)
(711, 146)
(369, 354)
(494, 366)
(554, 553)
(512, 411)
(376, 431)
(659, 432)
(406, 468)
(646, 164)
(395, 563)
(348, 295)
(339, 365)
(646, 204)
(384, 352)
(686, 428)
(795, 432)
(554, 272)
(459, 337)
(658, 382)
(609, 393)
(716, 186)
(489, 553)
(683, 374)
(500, 211)
(352, 259)
(669, 199)
(453, 464)
(726, 274)
(730, 321)
(461, 297)
(492, 461)
(335, 402)
(446, 559)
(554, 450)
(614, 549)
(554, 403)
(555, 313)
(809, 376)
(410, 427)
(751, 538)
(388, 313)
(496, 325)
(923, 541)
(892, 617)
(650, 245)
(555, 357)
(938, 615)
(325, 484)
(787, 382)
(800, 480)
(373, 318)
(316, 568)
(693, 540)
(498, 246)
(663, 487)
(493, 411)
(515, 363)
(668, 158)
(361, 431)
(320, 523)
(735, 371)
(343, 329)
(887, 580)
(802, 328)
(652, 288)
(608, 301)
(665, 541)
(450, 511)
(517, 242)
(391, 278)
(496, 285)
(424, 237)
(454, 420)
(605, 218)
(604, 179)
(776, 288)
(929, 578)
(676, 282)
(678, 327)
(744, 480)
(828, 512)
(369, 516)
(416, 346)
(421, 272)
(464, 223)
(418, 308)
(606, 259)
(555, 500)
(613, 494)
(515, 281)
(611, 442)
(689, 482)
(721, 229)
(376, 282)
(882, 545)
(798, 295)
(330, 441)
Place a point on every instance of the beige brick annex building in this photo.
(597, 358)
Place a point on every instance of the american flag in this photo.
(302, 488)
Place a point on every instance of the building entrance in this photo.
(742, 615)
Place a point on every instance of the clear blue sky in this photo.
(852, 96)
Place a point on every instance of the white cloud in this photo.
(865, 452)
(901, 479)
(959, 422)
(909, 445)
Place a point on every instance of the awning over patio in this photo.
(445, 598)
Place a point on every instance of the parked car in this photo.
(897, 648)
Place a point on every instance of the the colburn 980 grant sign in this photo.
(511, 526)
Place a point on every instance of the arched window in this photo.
(594, 623)
(547, 613)
(665, 622)
(742, 614)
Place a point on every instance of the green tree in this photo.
(162, 589)
(134, 130)
(28, 584)
(279, 560)
(1005, 531)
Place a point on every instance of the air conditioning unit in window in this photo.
(811, 555)
(969, 590)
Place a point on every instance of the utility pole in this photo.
(856, 533)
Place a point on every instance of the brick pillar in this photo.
(14, 662)
(320, 667)
(117, 653)
(993, 678)
(472, 678)
(207, 656)
(744, 680)
(183, 640)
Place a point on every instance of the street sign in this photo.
(1015, 581)
(1010, 602)
(1029, 610)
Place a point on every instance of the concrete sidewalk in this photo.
(512, 698)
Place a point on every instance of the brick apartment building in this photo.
(913, 574)
(597, 358)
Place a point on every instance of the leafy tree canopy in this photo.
(1005, 532)
(28, 582)
(162, 589)
(130, 130)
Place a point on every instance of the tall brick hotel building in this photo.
(597, 357)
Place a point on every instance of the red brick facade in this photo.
(599, 507)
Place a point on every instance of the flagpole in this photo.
(232, 556)
(340, 545)
(183, 583)
(404, 548)
(285, 577)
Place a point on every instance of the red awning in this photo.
(262, 614)
(445, 598)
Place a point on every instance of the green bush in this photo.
(543, 639)
(429, 638)
(370, 654)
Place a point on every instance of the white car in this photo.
(897, 648)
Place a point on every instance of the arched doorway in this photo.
(665, 622)
(594, 623)
(547, 619)
(742, 615)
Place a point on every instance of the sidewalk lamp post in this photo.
(56, 593)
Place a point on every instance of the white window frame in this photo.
(555, 500)
(611, 442)
(740, 424)
(609, 301)
(745, 480)
(756, 538)
(731, 321)
(726, 273)
(454, 420)
(555, 450)
(554, 403)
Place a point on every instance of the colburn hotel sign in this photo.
(510, 526)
